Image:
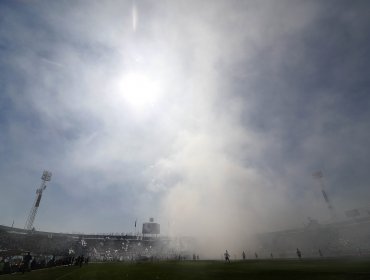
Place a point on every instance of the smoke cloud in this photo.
(251, 97)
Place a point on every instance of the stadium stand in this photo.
(49, 248)
(339, 239)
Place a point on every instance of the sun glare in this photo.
(140, 91)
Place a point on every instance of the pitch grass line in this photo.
(349, 269)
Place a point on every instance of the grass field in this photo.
(277, 269)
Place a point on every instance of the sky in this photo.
(209, 116)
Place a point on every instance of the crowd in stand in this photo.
(49, 250)
(116, 249)
(20, 252)
(28, 262)
(36, 243)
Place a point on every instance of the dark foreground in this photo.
(277, 269)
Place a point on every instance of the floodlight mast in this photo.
(319, 176)
(46, 177)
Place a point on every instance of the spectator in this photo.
(26, 262)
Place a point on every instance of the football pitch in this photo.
(273, 269)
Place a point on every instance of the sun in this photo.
(140, 91)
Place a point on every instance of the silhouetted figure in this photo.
(52, 261)
(33, 264)
(299, 254)
(1, 266)
(320, 253)
(227, 256)
(79, 260)
(194, 257)
(6, 268)
(255, 254)
(272, 256)
(26, 262)
(243, 255)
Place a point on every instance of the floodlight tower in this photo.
(46, 177)
(319, 176)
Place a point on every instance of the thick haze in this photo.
(209, 116)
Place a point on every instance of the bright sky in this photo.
(209, 116)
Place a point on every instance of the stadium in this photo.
(54, 255)
(187, 139)
(51, 249)
(98, 247)
(338, 239)
(328, 245)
